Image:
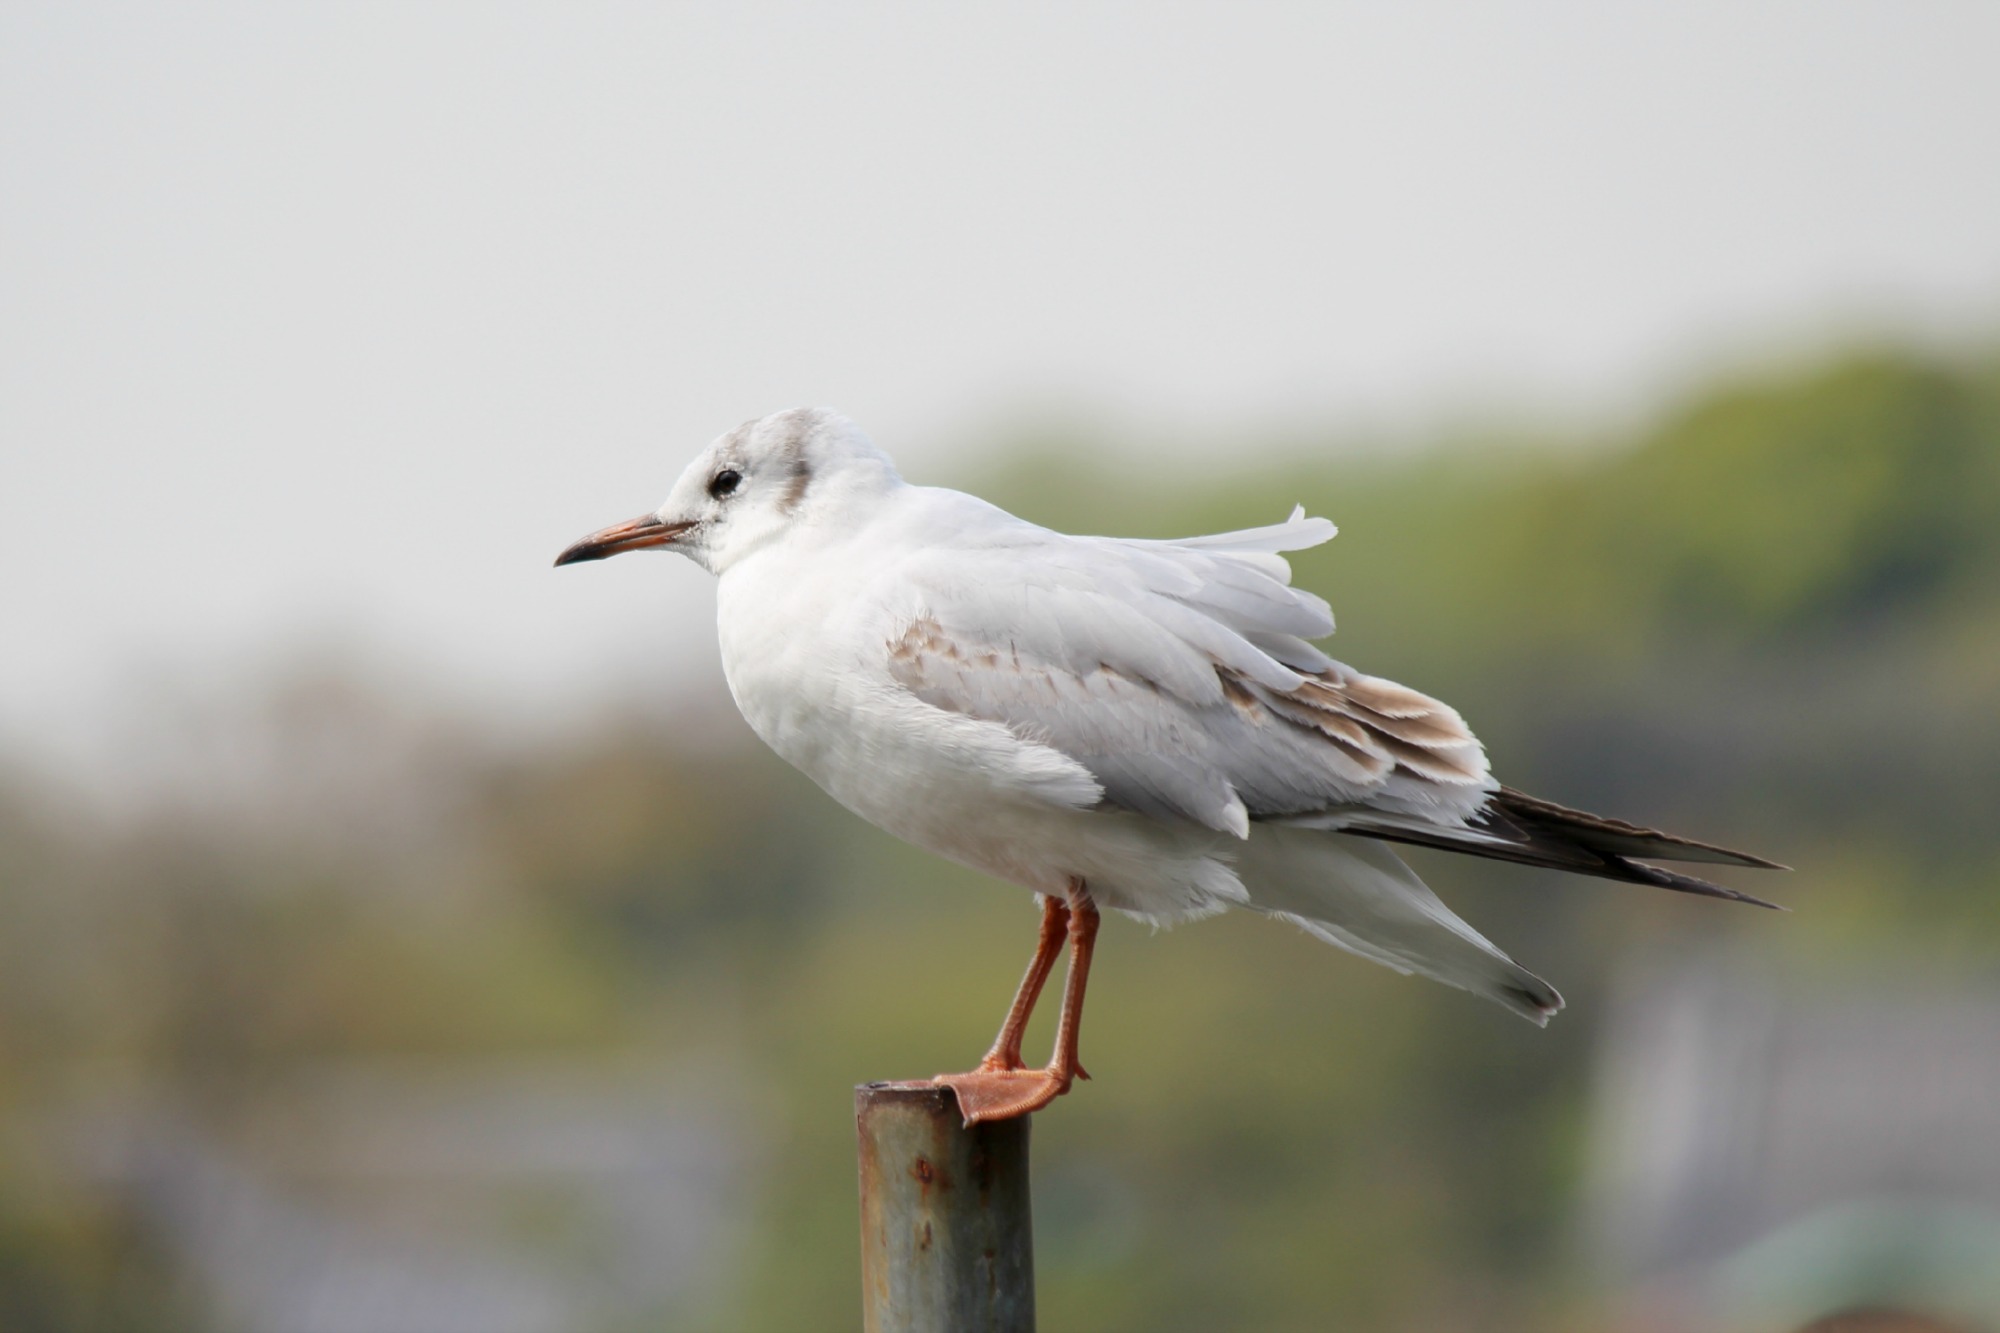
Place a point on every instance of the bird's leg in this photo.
(998, 1090)
(1083, 920)
(1006, 1052)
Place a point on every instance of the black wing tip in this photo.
(1673, 879)
(1576, 822)
(1749, 861)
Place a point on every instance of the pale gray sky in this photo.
(332, 322)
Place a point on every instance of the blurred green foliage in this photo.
(1773, 619)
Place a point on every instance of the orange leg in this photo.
(1006, 1052)
(1000, 1088)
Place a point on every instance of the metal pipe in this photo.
(946, 1241)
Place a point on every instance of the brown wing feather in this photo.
(1382, 725)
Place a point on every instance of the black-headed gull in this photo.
(1136, 725)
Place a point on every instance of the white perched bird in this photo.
(1138, 725)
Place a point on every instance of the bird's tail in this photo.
(1357, 894)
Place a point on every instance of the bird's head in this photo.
(763, 479)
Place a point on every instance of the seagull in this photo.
(1134, 725)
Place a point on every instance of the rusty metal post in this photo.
(946, 1242)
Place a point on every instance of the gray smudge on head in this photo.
(793, 429)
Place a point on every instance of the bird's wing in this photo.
(1528, 830)
(1179, 674)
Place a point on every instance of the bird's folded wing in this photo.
(1179, 674)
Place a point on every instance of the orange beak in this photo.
(632, 535)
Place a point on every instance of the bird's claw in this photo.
(1001, 1094)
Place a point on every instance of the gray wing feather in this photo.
(1178, 674)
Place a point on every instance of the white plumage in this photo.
(1145, 718)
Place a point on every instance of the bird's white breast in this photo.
(805, 640)
(805, 635)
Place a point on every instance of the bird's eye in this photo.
(724, 483)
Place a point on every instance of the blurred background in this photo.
(398, 935)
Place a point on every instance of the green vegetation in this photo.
(1772, 620)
